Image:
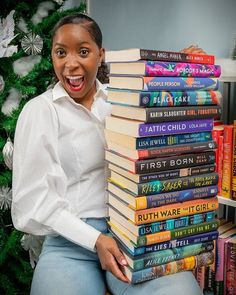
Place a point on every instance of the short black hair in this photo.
(85, 21)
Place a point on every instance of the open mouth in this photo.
(75, 82)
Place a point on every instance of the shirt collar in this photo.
(58, 91)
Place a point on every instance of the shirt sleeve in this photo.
(39, 204)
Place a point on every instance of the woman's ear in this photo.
(102, 55)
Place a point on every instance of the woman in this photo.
(59, 176)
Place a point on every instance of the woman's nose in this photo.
(71, 61)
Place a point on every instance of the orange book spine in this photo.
(216, 133)
(234, 163)
(220, 163)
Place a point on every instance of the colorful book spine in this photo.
(170, 140)
(188, 263)
(180, 69)
(176, 127)
(227, 161)
(230, 282)
(234, 163)
(165, 256)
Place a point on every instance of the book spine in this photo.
(197, 192)
(180, 69)
(175, 210)
(177, 149)
(179, 83)
(176, 56)
(179, 98)
(233, 182)
(230, 282)
(175, 127)
(170, 140)
(176, 233)
(220, 163)
(182, 172)
(216, 136)
(173, 162)
(175, 223)
(165, 256)
(168, 114)
(227, 161)
(188, 263)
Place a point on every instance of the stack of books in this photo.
(163, 185)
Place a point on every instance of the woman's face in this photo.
(76, 58)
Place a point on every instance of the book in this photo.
(163, 236)
(163, 212)
(164, 256)
(230, 282)
(160, 226)
(162, 151)
(135, 54)
(163, 175)
(161, 163)
(147, 200)
(179, 242)
(164, 68)
(162, 83)
(155, 190)
(233, 182)
(219, 277)
(140, 129)
(165, 114)
(188, 263)
(163, 98)
(141, 143)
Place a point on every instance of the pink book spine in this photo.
(230, 283)
(220, 260)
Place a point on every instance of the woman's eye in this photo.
(84, 52)
(60, 52)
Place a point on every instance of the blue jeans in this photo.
(65, 268)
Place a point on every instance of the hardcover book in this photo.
(163, 98)
(230, 284)
(163, 212)
(188, 263)
(147, 200)
(135, 54)
(162, 83)
(160, 226)
(163, 175)
(165, 114)
(141, 129)
(168, 69)
(160, 164)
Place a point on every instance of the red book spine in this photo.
(220, 163)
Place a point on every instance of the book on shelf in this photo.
(179, 242)
(162, 83)
(165, 114)
(163, 98)
(160, 226)
(164, 68)
(154, 190)
(164, 236)
(220, 271)
(162, 151)
(233, 182)
(141, 143)
(188, 263)
(230, 282)
(147, 200)
(164, 256)
(163, 175)
(160, 163)
(141, 129)
(135, 54)
(164, 212)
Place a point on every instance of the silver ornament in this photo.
(5, 198)
(8, 153)
(2, 84)
(32, 44)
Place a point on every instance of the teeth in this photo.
(74, 77)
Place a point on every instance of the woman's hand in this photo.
(193, 49)
(110, 256)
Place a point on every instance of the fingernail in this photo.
(123, 262)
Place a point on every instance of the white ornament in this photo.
(5, 198)
(7, 35)
(42, 11)
(24, 65)
(7, 153)
(22, 26)
(59, 1)
(12, 102)
(2, 84)
(33, 244)
(32, 44)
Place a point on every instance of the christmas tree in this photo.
(25, 72)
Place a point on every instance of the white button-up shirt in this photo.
(59, 173)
